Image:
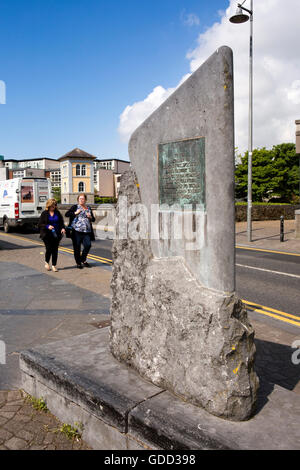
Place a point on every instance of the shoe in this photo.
(86, 265)
(47, 267)
(79, 266)
(54, 269)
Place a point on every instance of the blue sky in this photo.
(72, 66)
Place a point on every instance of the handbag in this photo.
(69, 228)
(69, 231)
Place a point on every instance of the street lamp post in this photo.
(240, 17)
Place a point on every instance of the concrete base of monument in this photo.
(81, 382)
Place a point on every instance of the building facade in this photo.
(107, 176)
(77, 171)
(77, 176)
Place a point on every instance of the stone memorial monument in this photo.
(175, 316)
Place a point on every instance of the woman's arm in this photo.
(43, 221)
(71, 211)
(61, 221)
(93, 218)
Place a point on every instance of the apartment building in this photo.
(105, 173)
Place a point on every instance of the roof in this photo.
(29, 159)
(77, 153)
(111, 159)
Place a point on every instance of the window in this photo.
(80, 170)
(81, 187)
(18, 174)
(55, 178)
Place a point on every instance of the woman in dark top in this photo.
(52, 228)
(81, 218)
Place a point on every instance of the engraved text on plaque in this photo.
(181, 172)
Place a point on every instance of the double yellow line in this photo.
(250, 248)
(63, 249)
(93, 257)
(272, 312)
(258, 308)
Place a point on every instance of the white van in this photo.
(22, 201)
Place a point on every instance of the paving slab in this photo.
(37, 307)
(39, 430)
(266, 235)
(94, 379)
(170, 423)
(81, 371)
(29, 328)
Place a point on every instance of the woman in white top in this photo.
(81, 218)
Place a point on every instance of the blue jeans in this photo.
(85, 239)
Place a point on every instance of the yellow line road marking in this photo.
(63, 249)
(283, 315)
(277, 317)
(91, 256)
(271, 310)
(262, 309)
(35, 242)
(237, 246)
(94, 257)
(102, 260)
(100, 257)
(266, 251)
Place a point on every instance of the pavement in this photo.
(266, 235)
(39, 307)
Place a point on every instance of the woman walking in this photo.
(81, 218)
(52, 228)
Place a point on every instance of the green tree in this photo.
(56, 191)
(275, 173)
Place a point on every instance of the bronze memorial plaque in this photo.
(181, 172)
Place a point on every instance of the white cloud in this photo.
(190, 19)
(135, 114)
(293, 93)
(276, 73)
(2, 92)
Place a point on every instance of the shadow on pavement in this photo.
(277, 235)
(12, 246)
(274, 366)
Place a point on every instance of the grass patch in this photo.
(72, 432)
(38, 404)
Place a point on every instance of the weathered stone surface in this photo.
(175, 316)
(201, 108)
(93, 381)
(193, 341)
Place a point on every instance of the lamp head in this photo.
(239, 17)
